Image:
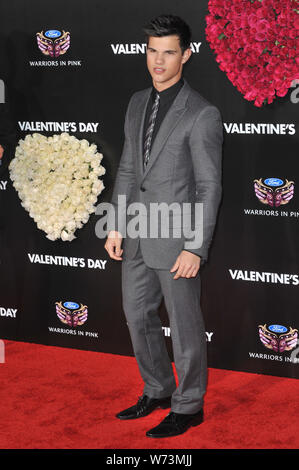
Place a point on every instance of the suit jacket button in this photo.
(142, 188)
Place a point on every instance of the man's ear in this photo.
(186, 55)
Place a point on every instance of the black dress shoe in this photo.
(144, 407)
(176, 423)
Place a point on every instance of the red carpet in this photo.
(56, 398)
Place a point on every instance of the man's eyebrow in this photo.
(166, 50)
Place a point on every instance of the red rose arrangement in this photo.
(257, 44)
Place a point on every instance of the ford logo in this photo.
(53, 33)
(71, 305)
(273, 182)
(278, 328)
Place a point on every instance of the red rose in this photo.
(296, 22)
(262, 26)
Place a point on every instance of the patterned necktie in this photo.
(149, 132)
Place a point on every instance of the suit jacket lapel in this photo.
(173, 116)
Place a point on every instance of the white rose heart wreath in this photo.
(58, 181)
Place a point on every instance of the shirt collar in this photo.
(170, 92)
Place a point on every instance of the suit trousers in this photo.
(143, 289)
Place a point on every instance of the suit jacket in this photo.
(184, 167)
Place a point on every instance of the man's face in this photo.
(165, 60)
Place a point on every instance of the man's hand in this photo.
(187, 265)
(1, 151)
(113, 245)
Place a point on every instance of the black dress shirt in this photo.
(166, 99)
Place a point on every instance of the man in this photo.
(172, 154)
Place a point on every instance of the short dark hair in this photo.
(166, 25)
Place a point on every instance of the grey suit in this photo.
(184, 167)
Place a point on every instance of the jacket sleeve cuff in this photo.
(202, 257)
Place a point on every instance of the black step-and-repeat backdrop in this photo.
(71, 67)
